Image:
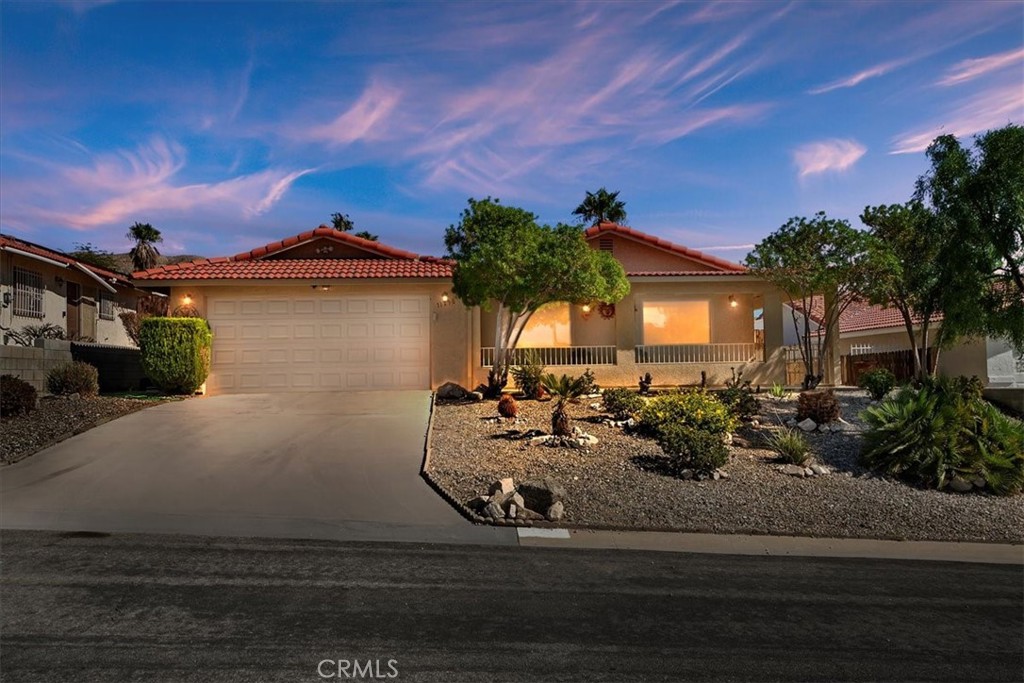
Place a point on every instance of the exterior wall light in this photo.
(187, 299)
(325, 288)
(444, 298)
(732, 301)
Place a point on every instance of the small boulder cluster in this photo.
(534, 500)
(801, 471)
(579, 439)
(450, 391)
(809, 425)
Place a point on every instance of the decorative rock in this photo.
(960, 485)
(755, 424)
(475, 396)
(791, 422)
(727, 438)
(807, 425)
(793, 470)
(493, 511)
(555, 512)
(808, 472)
(512, 510)
(587, 439)
(716, 475)
(451, 390)
(503, 486)
(518, 500)
(528, 515)
(820, 470)
(686, 474)
(722, 473)
(74, 397)
(540, 494)
(539, 440)
(740, 442)
(595, 406)
(478, 503)
(979, 482)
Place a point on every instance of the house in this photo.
(40, 286)
(326, 310)
(865, 330)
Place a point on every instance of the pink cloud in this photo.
(859, 77)
(827, 155)
(969, 69)
(992, 108)
(363, 120)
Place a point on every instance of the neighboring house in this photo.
(865, 329)
(41, 286)
(327, 310)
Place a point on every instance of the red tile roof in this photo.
(682, 273)
(60, 257)
(860, 316)
(300, 269)
(692, 254)
(253, 264)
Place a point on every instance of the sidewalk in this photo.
(791, 546)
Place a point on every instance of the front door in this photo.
(74, 297)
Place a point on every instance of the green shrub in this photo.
(694, 408)
(778, 391)
(689, 448)
(933, 434)
(590, 385)
(622, 403)
(819, 405)
(16, 396)
(176, 352)
(878, 382)
(73, 378)
(967, 387)
(528, 375)
(790, 445)
(739, 397)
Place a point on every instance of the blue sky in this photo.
(228, 125)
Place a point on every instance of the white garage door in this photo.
(319, 343)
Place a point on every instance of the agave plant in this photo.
(563, 389)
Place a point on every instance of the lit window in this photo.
(548, 327)
(28, 293)
(106, 306)
(677, 322)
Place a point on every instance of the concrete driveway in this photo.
(318, 465)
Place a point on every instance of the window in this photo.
(106, 306)
(548, 327)
(28, 293)
(677, 322)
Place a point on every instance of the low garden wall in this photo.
(31, 363)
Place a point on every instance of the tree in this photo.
(903, 271)
(88, 253)
(503, 257)
(813, 257)
(144, 254)
(601, 206)
(342, 222)
(978, 196)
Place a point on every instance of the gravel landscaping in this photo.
(57, 419)
(617, 483)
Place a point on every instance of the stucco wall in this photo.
(55, 304)
(641, 257)
(450, 334)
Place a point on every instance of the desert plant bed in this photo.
(621, 482)
(58, 418)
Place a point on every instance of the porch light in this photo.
(325, 288)
(187, 299)
(444, 298)
(732, 301)
(586, 308)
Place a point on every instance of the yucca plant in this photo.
(563, 389)
(778, 391)
(790, 445)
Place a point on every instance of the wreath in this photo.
(607, 311)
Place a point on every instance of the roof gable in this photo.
(6, 241)
(640, 253)
(352, 246)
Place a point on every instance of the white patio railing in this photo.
(700, 353)
(567, 355)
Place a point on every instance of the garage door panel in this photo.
(278, 343)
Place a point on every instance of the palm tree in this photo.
(601, 206)
(144, 254)
(563, 389)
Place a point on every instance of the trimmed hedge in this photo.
(73, 378)
(176, 352)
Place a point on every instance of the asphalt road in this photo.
(163, 608)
